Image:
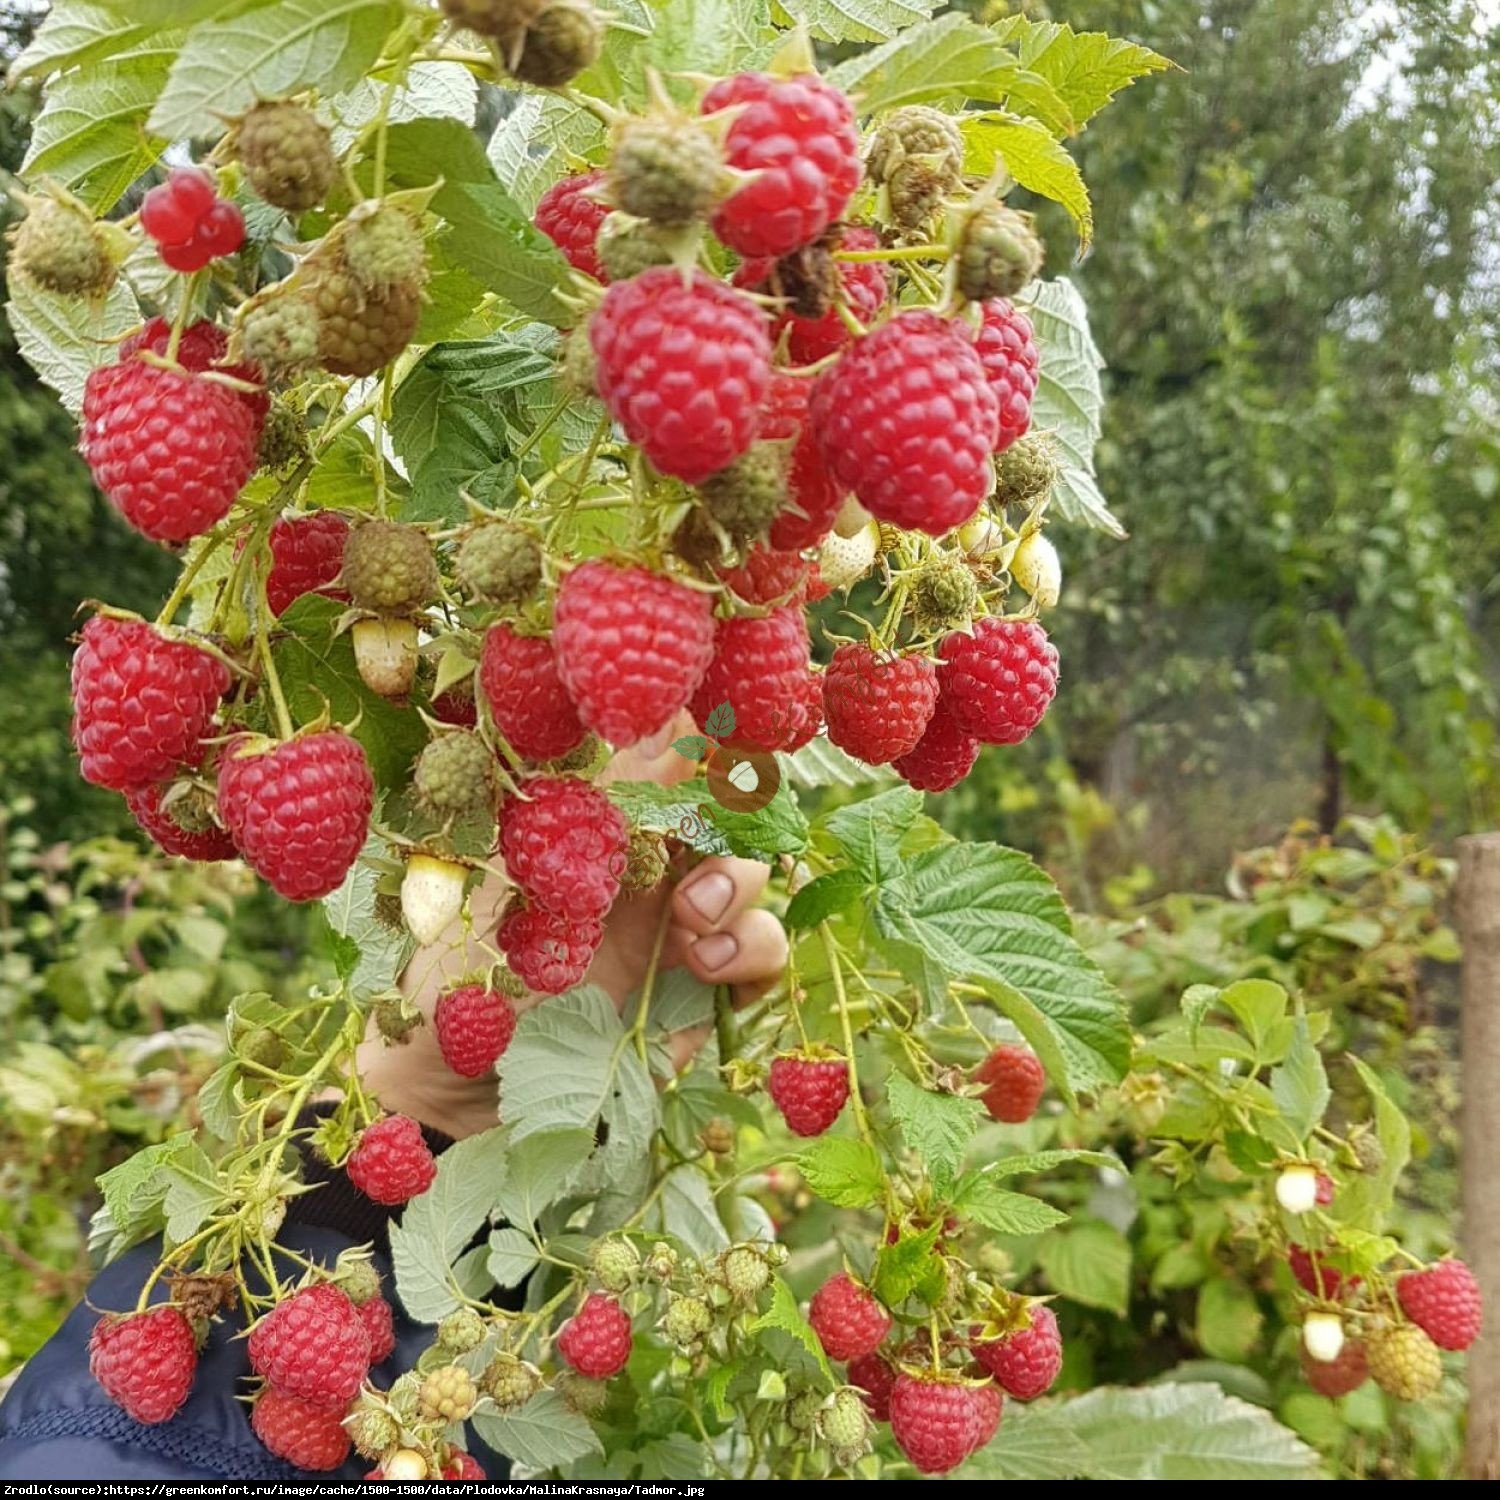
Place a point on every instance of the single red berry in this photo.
(941, 758)
(1337, 1377)
(682, 368)
(206, 845)
(998, 680)
(549, 953)
(307, 555)
(769, 577)
(935, 1422)
(391, 1163)
(220, 232)
(313, 1346)
(1027, 1361)
(571, 219)
(847, 1319)
(799, 137)
(595, 1341)
(1007, 349)
(907, 420)
(988, 1404)
(1445, 1302)
(809, 1091)
(813, 495)
(474, 1026)
(519, 677)
(1315, 1276)
(300, 811)
(463, 1465)
(457, 706)
(631, 646)
(875, 1378)
(756, 668)
(172, 211)
(1014, 1082)
(380, 1325)
(142, 702)
(170, 450)
(877, 705)
(565, 844)
(145, 1361)
(305, 1435)
(806, 710)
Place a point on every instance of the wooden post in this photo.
(1479, 929)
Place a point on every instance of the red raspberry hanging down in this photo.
(813, 495)
(463, 1465)
(682, 368)
(304, 1434)
(937, 1423)
(145, 1361)
(571, 219)
(171, 450)
(1014, 1082)
(878, 706)
(474, 1026)
(988, 1405)
(565, 844)
(548, 953)
(313, 1346)
(1337, 1377)
(391, 1163)
(941, 758)
(519, 677)
(874, 1376)
(848, 1320)
(1315, 1276)
(1007, 349)
(595, 1341)
(769, 577)
(809, 1091)
(142, 702)
(299, 811)
(998, 680)
(907, 419)
(1444, 1301)
(632, 647)
(757, 667)
(206, 845)
(798, 135)
(380, 1325)
(307, 555)
(190, 223)
(1027, 1361)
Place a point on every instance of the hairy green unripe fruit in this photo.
(1026, 470)
(564, 41)
(373, 1430)
(510, 1382)
(389, 568)
(747, 496)
(627, 246)
(844, 1425)
(359, 331)
(587, 1397)
(645, 862)
(283, 440)
(395, 1020)
(717, 1136)
(281, 334)
(262, 1046)
(580, 365)
(501, 19)
(686, 1321)
(59, 248)
(614, 1263)
(287, 155)
(357, 1279)
(455, 776)
(998, 253)
(1404, 1362)
(918, 155)
(803, 1409)
(461, 1331)
(661, 1262)
(943, 595)
(447, 1395)
(384, 250)
(664, 169)
(500, 563)
(745, 1272)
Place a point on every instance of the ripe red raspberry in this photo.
(809, 1091)
(142, 702)
(682, 368)
(813, 496)
(571, 219)
(935, 1422)
(756, 668)
(806, 711)
(798, 136)
(768, 577)
(380, 1325)
(190, 223)
(1015, 1081)
(299, 812)
(1444, 1301)
(941, 758)
(457, 706)
(596, 1339)
(1315, 1276)
(999, 680)
(463, 1465)
(988, 1405)
(474, 1026)
(549, 953)
(307, 554)
(907, 420)
(528, 702)
(1027, 1361)
(847, 1319)
(305, 1435)
(631, 647)
(1339, 1376)
(878, 706)
(205, 845)
(565, 844)
(171, 451)
(145, 1361)
(313, 1346)
(875, 1377)
(391, 1163)
(1007, 349)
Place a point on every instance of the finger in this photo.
(714, 895)
(654, 759)
(750, 951)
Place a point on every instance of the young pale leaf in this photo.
(530, 146)
(938, 1127)
(1259, 1006)
(1089, 1262)
(709, 36)
(512, 1257)
(193, 1193)
(1033, 157)
(909, 1265)
(1300, 1085)
(74, 35)
(843, 1171)
(1087, 69)
(544, 1434)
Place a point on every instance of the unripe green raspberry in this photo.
(803, 1410)
(745, 1272)
(357, 1278)
(510, 1382)
(385, 250)
(263, 1046)
(389, 568)
(587, 1397)
(627, 246)
(665, 169)
(1367, 1150)
(461, 1331)
(500, 563)
(661, 1262)
(718, 1137)
(456, 776)
(998, 253)
(645, 861)
(287, 155)
(844, 1425)
(281, 334)
(943, 595)
(686, 1322)
(747, 496)
(579, 368)
(447, 1395)
(373, 1430)
(283, 439)
(564, 41)
(1026, 470)
(59, 248)
(1403, 1361)
(395, 1019)
(501, 19)
(614, 1263)
(918, 154)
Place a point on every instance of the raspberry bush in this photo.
(479, 475)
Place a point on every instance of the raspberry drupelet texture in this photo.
(299, 812)
(595, 1341)
(941, 758)
(304, 1434)
(998, 680)
(170, 449)
(809, 1091)
(632, 647)
(935, 1422)
(205, 845)
(798, 135)
(907, 419)
(682, 368)
(287, 155)
(813, 495)
(142, 702)
(875, 1378)
(1014, 1081)
(1026, 1362)
(548, 953)
(307, 554)
(1404, 1361)
(848, 1320)
(571, 219)
(757, 667)
(474, 1025)
(878, 706)
(1337, 1377)
(1444, 1301)
(188, 220)
(519, 677)
(1315, 1276)
(380, 1325)
(768, 577)
(313, 1346)
(391, 1163)
(1007, 349)
(565, 844)
(145, 1362)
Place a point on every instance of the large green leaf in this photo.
(950, 58)
(73, 35)
(844, 1171)
(1089, 1262)
(709, 36)
(938, 1127)
(857, 20)
(1300, 1086)
(351, 913)
(492, 238)
(1087, 69)
(544, 1434)
(1033, 157)
(64, 338)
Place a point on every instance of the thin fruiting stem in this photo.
(268, 665)
(184, 308)
(648, 984)
(835, 966)
(902, 252)
(188, 577)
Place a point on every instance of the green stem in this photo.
(648, 984)
(186, 579)
(835, 966)
(724, 1028)
(904, 252)
(268, 665)
(184, 308)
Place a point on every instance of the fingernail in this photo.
(715, 951)
(710, 895)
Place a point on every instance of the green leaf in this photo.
(493, 239)
(825, 897)
(134, 1191)
(720, 723)
(544, 1434)
(64, 338)
(949, 58)
(857, 20)
(536, 1177)
(869, 833)
(512, 1257)
(685, 1209)
(938, 1127)
(75, 35)
(531, 145)
(691, 747)
(268, 53)
(1029, 1163)
(843, 1171)
(777, 828)
(217, 1106)
(784, 1314)
(1005, 1212)
(1087, 69)
(1258, 1005)
(910, 1265)
(193, 1193)
(821, 763)
(1032, 156)
(1089, 1262)
(1367, 1199)
(380, 953)
(1300, 1086)
(681, 1001)
(1197, 1001)
(708, 36)
(1229, 1320)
